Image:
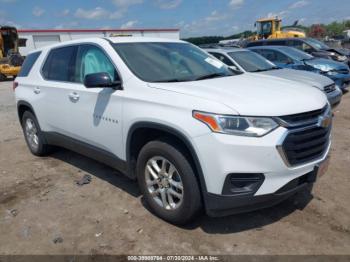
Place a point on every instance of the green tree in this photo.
(335, 28)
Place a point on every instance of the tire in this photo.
(33, 135)
(176, 210)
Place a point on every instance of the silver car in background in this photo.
(250, 62)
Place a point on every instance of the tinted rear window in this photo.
(59, 65)
(28, 64)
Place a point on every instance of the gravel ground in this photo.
(43, 211)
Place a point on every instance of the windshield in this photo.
(252, 62)
(296, 54)
(170, 62)
(316, 44)
(264, 27)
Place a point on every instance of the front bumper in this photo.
(222, 205)
(248, 155)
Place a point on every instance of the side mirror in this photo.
(101, 80)
(235, 69)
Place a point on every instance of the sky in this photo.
(192, 17)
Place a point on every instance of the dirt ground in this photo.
(43, 211)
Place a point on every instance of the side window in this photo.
(296, 44)
(268, 54)
(301, 45)
(222, 58)
(59, 65)
(91, 59)
(28, 64)
(274, 56)
(307, 48)
(281, 58)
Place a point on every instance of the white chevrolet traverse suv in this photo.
(191, 131)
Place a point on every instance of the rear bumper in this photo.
(223, 205)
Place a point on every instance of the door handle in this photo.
(74, 96)
(36, 90)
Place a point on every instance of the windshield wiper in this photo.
(261, 70)
(307, 59)
(214, 75)
(173, 80)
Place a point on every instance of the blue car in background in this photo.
(289, 57)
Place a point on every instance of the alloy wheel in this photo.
(164, 183)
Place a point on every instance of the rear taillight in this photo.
(14, 85)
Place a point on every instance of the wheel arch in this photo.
(23, 106)
(161, 131)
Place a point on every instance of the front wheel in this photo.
(168, 182)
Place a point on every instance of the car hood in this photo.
(326, 64)
(305, 77)
(253, 94)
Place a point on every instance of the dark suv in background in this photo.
(309, 45)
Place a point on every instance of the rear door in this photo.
(52, 92)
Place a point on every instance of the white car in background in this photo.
(250, 62)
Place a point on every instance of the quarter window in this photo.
(28, 64)
(59, 65)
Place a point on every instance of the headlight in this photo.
(323, 68)
(331, 73)
(340, 57)
(237, 125)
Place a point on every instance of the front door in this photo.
(95, 113)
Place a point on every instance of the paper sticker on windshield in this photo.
(214, 62)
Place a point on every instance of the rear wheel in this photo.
(168, 182)
(33, 135)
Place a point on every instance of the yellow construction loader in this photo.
(10, 58)
(271, 28)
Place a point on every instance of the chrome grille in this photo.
(301, 119)
(308, 136)
(303, 146)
